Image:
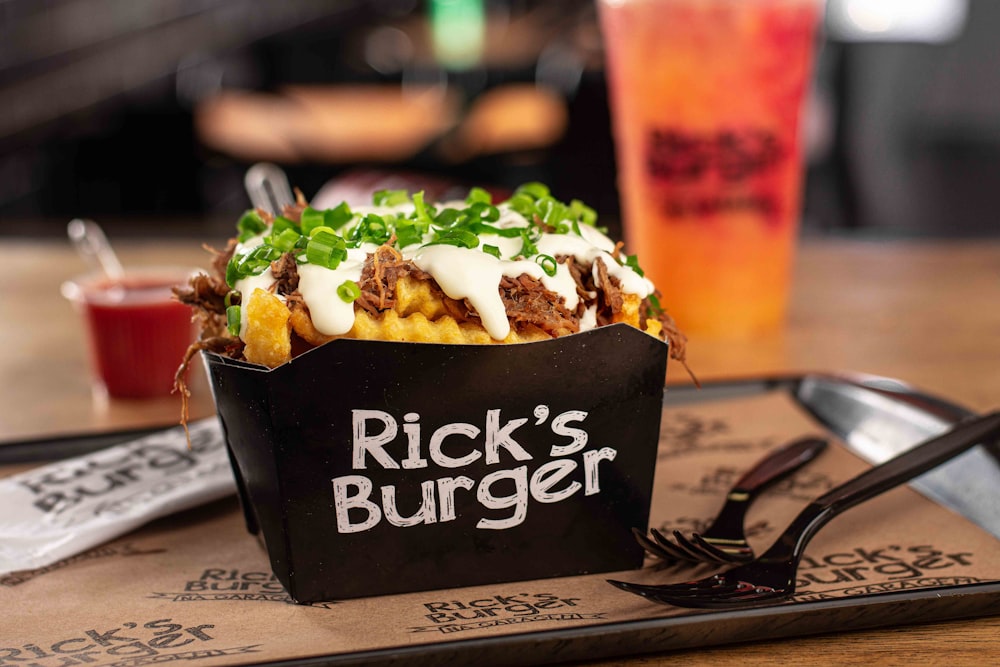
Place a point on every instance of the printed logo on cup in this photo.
(728, 157)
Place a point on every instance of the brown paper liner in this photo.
(196, 587)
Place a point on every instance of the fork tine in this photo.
(676, 551)
(731, 590)
(704, 553)
(730, 602)
(690, 550)
(652, 547)
(663, 548)
(771, 577)
(730, 554)
(678, 591)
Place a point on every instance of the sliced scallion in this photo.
(548, 264)
(534, 190)
(311, 219)
(281, 223)
(326, 249)
(348, 291)
(250, 225)
(338, 216)
(462, 238)
(390, 197)
(632, 262)
(408, 233)
(420, 209)
(528, 247)
(479, 195)
(286, 240)
(321, 229)
(580, 211)
(654, 303)
(333, 218)
(233, 319)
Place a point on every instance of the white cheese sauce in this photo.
(318, 286)
(462, 273)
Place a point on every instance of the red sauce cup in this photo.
(137, 331)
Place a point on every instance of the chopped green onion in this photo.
(548, 264)
(348, 291)
(322, 228)
(390, 197)
(376, 226)
(260, 257)
(333, 218)
(315, 238)
(534, 190)
(479, 195)
(481, 211)
(373, 228)
(338, 216)
(250, 225)
(456, 237)
(407, 233)
(420, 211)
(233, 319)
(326, 249)
(286, 240)
(654, 302)
(251, 263)
(282, 223)
(229, 297)
(484, 211)
(523, 204)
(580, 211)
(311, 219)
(553, 214)
(232, 270)
(507, 232)
(528, 247)
(632, 262)
(447, 217)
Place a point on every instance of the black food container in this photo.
(373, 468)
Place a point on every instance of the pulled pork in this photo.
(527, 301)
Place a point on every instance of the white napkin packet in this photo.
(62, 509)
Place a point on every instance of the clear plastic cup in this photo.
(137, 332)
(706, 98)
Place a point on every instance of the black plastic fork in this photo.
(771, 578)
(724, 541)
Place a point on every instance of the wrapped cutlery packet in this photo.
(58, 510)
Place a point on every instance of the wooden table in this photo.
(920, 311)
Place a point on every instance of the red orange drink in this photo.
(706, 98)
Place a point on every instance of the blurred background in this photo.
(145, 114)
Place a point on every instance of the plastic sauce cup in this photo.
(137, 331)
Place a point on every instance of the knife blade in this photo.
(878, 424)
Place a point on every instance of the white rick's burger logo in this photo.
(450, 448)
